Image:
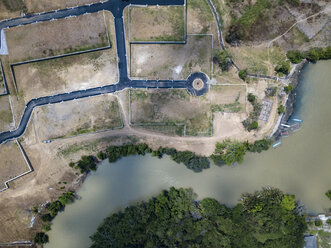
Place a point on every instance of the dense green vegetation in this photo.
(52, 210)
(174, 218)
(222, 58)
(283, 67)
(281, 109)
(251, 122)
(189, 159)
(230, 152)
(288, 88)
(318, 222)
(314, 54)
(113, 153)
(328, 194)
(41, 238)
(243, 74)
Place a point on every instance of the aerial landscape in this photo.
(165, 123)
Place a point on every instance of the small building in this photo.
(310, 242)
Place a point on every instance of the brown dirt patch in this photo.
(76, 117)
(12, 162)
(172, 61)
(63, 36)
(162, 23)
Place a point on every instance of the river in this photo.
(300, 166)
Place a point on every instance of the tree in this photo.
(318, 222)
(328, 194)
(230, 152)
(283, 67)
(223, 60)
(243, 74)
(251, 98)
(281, 109)
(66, 198)
(41, 238)
(288, 88)
(294, 56)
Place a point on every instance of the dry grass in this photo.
(167, 111)
(12, 162)
(77, 117)
(63, 36)
(172, 61)
(66, 74)
(36, 6)
(163, 23)
(6, 117)
(10, 8)
(257, 60)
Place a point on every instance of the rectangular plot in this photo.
(162, 23)
(12, 162)
(172, 61)
(66, 74)
(77, 117)
(59, 37)
(6, 117)
(170, 107)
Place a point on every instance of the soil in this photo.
(63, 36)
(12, 162)
(172, 61)
(6, 118)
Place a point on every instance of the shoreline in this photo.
(294, 79)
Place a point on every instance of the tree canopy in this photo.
(267, 218)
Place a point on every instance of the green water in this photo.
(300, 166)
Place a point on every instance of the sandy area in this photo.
(63, 36)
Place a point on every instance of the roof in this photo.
(310, 242)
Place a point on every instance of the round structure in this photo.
(198, 84)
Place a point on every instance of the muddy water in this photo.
(301, 166)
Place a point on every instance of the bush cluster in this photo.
(314, 54)
(251, 122)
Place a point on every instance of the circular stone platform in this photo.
(198, 84)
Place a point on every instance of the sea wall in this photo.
(294, 79)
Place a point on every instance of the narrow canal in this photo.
(300, 166)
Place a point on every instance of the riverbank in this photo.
(294, 80)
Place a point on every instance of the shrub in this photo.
(328, 222)
(328, 194)
(87, 164)
(243, 74)
(253, 125)
(283, 67)
(281, 109)
(271, 91)
(294, 56)
(318, 222)
(47, 227)
(288, 88)
(41, 238)
(223, 60)
(251, 98)
(46, 217)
